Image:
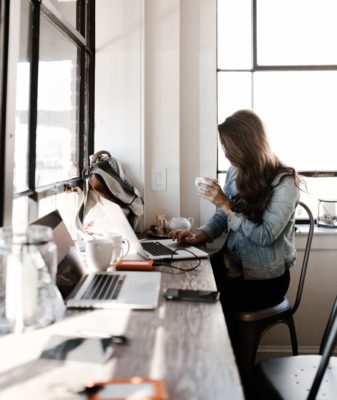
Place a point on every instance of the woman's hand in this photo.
(184, 236)
(210, 190)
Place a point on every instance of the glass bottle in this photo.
(29, 298)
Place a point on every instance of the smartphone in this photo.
(128, 388)
(83, 349)
(205, 296)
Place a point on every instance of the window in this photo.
(54, 103)
(277, 57)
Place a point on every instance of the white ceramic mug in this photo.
(120, 246)
(99, 253)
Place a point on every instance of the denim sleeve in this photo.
(217, 224)
(275, 218)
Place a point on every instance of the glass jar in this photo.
(327, 213)
(28, 294)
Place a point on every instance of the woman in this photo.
(257, 208)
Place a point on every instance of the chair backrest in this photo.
(327, 345)
(305, 257)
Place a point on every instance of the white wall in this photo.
(156, 97)
(198, 113)
(119, 83)
(162, 104)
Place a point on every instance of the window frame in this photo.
(4, 19)
(83, 36)
(258, 68)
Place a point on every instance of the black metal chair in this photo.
(301, 377)
(250, 326)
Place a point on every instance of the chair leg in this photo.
(293, 336)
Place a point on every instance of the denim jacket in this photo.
(265, 250)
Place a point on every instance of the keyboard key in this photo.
(104, 287)
(156, 249)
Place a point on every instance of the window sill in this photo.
(317, 230)
(323, 239)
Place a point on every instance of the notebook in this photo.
(122, 289)
(116, 221)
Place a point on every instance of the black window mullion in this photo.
(90, 35)
(4, 14)
(254, 34)
(33, 96)
(85, 12)
(81, 17)
(82, 128)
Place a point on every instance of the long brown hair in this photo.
(246, 146)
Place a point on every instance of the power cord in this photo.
(171, 260)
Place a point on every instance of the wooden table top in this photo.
(183, 343)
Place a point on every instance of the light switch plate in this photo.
(158, 179)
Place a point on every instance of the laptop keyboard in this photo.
(156, 249)
(104, 287)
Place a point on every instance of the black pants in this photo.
(247, 295)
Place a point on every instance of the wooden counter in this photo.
(183, 343)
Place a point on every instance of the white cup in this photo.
(120, 246)
(99, 253)
(203, 180)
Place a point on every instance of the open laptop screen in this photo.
(70, 266)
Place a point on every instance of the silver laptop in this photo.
(122, 289)
(162, 249)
